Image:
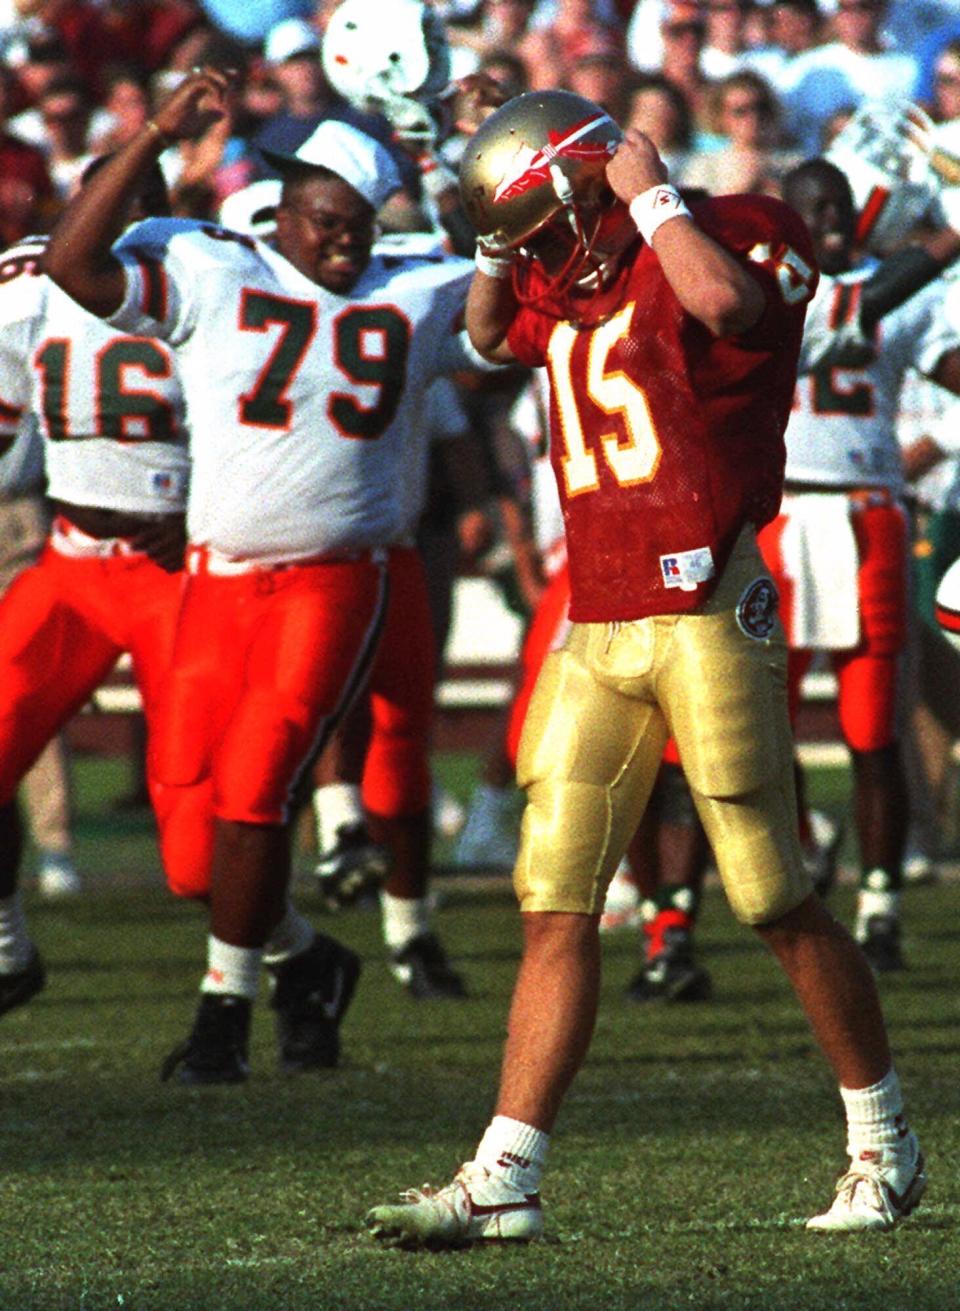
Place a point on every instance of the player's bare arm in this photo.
(78, 255)
(709, 283)
(491, 308)
(947, 372)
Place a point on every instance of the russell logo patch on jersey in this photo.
(757, 609)
(687, 568)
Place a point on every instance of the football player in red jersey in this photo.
(672, 341)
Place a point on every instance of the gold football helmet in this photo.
(534, 179)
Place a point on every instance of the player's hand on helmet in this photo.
(475, 97)
(493, 247)
(196, 104)
(635, 167)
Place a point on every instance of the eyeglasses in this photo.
(329, 225)
(947, 79)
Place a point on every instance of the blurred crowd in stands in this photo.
(732, 91)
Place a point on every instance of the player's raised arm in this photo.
(709, 282)
(78, 256)
(491, 305)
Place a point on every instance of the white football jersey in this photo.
(843, 427)
(108, 404)
(529, 419)
(302, 404)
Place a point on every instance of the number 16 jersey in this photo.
(301, 402)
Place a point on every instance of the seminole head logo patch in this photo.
(757, 609)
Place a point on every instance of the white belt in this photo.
(69, 540)
(207, 560)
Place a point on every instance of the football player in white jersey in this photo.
(110, 414)
(303, 368)
(839, 548)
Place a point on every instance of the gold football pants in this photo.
(601, 713)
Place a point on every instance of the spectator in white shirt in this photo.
(859, 64)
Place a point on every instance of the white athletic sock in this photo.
(514, 1150)
(335, 804)
(870, 903)
(16, 945)
(232, 971)
(403, 918)
(292, 935)
(875, 1118)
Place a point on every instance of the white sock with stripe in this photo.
(515, 1151)
(232, 971)
(875, 1118)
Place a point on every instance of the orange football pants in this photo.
(265, 664)
(63, 624)
(867, 674)
(396, 772)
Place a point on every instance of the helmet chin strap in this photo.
(584, 270)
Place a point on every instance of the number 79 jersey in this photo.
(665, 439)
(304, 406)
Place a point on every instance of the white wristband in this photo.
(491, 266)
(655, 206)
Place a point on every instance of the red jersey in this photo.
(665, 439)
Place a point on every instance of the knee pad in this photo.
(757, 849)
(185, 825)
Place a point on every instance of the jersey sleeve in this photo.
(775, 244)
(939, 330)
(528, 336)
(160, 265)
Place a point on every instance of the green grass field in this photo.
(690, 1150)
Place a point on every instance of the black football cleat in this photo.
(17, 989)
(881, 944)
(216, 1050)
(424, 970)
(311, 993)
(672, 974)
(352, 870)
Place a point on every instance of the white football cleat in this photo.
(477, 1206)
(879, 1189)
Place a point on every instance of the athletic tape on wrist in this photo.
(656, 206)
(491, 266)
